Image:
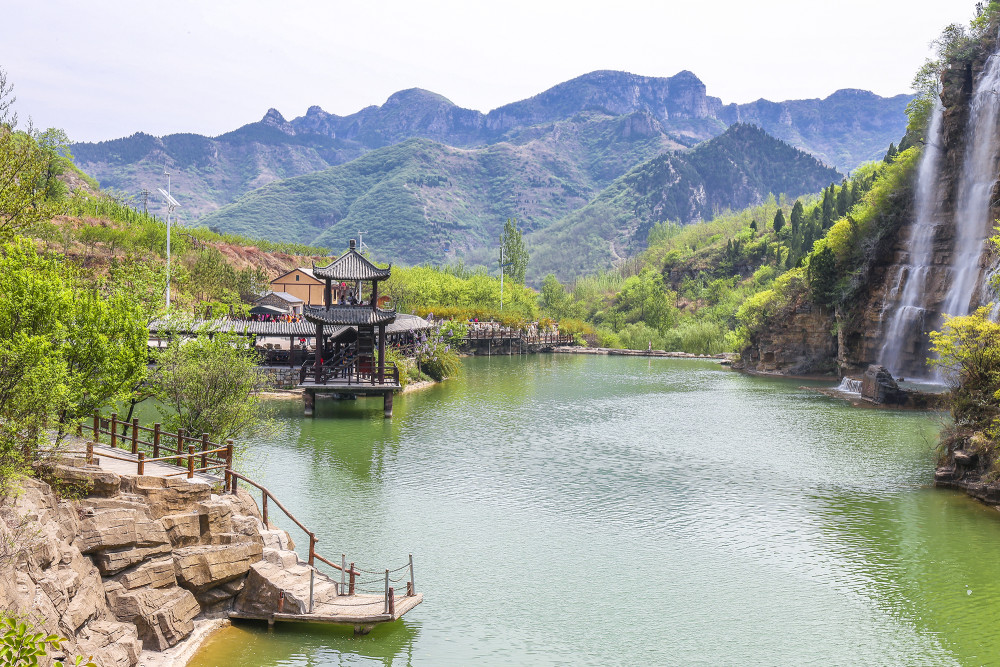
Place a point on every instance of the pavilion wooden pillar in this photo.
(381, 353)
(319, 348)
(327, 296)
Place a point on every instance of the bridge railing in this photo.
(150, 445)
(181, 449)
(352, 579)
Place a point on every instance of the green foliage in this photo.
(435, 357)
(968, 351)
(424, 289)
(513, 252)
(21, 646)
(65, 350)
(210, 384)
(822, 272)
(453, 332)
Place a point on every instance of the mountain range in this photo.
(464, 171)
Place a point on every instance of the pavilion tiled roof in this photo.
(349, 315)
(352, 265)
(242, 327)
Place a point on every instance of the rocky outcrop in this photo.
(879, 387)
(801, 342)
(128, 569)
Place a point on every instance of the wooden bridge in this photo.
(361, 597)
(492, 338)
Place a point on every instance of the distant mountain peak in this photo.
(411, 95)
(273, 118)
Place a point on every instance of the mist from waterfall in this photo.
(975, 186)
(906, 323)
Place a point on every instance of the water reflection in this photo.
(389, 645)
(593, 510)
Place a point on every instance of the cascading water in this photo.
(849, 386)
(906, 323)
(921, 304)
(975, 187)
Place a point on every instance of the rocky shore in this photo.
(124, 566)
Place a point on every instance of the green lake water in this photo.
(579, 510)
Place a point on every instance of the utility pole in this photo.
(171, 206)
(144, 196)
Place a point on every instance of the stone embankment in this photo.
(125, 569)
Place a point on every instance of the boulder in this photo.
(114, 561)
(167, 495)
(162, 616)
(216, 517)
(879, 387)
(96, 481)
(184, 530)
(263, 588)
(157, 573)
(206, 566)
(102, 529)
(112, 643)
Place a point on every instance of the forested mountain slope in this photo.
(845, 129)
(736, 169)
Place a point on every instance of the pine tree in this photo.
(798, 213)
(779, 221)
(828, 204)
(753, 225)
(843, 200)
(890, 154)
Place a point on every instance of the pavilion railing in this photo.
(350, 372)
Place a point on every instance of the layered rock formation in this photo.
(130, 567)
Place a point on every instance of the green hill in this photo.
(736, 169)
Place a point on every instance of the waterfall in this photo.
(849, 386)
(975, 187)
(906, 322)
(934, 283)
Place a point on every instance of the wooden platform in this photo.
(358, 610)
(339, 386)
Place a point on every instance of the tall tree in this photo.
(515, 255)
(779, 221)
(798, 214)
(843, 200)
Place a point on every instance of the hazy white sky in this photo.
(103, 69)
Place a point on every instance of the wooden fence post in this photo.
(114, 429)
(312, 548)
(229, 464)
(190, 461)
(350, 590)
(142, 463)
(204, 448)
(156, 441)
(135, 435)
(97, 426)
(90, 453)
(264, 516)
(392, 602)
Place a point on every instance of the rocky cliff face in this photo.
(802, 343)
(131, 565)
(865, 335)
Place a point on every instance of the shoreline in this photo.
(621, 352)
(184, 651)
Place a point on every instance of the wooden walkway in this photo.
(362, 598)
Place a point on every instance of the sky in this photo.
(104, 69)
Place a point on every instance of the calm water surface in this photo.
(578, 510)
